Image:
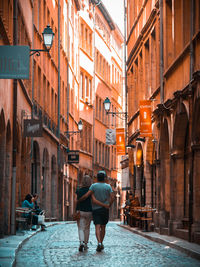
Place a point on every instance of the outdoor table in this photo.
(143, 212)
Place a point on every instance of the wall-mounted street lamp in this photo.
(80, 128)
(140, 139)
(107, 105)
(130, 146)
(48, 36)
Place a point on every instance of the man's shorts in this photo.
(100, 216)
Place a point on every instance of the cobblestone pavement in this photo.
(58, 246)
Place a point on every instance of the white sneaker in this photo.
(34, 227)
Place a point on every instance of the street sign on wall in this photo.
(32, 128)
(14, 62)
(111, 136)
(73, 156)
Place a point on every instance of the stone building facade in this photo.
(62, 89)
(163, 66)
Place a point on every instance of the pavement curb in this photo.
(191, 249)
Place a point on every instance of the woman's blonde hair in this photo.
(86, 181)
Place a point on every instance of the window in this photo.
(81, 85)
(96, 151)
(97, 107)
(90, 91)
(86, 86)
(99, 153)
(86, 138)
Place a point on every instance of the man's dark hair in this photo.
(101, 175)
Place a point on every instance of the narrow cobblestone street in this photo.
(58, 246)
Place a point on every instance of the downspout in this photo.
(190, 122)
(58, 118)
(32, 89)
(125, 76)
(58, 130)
(14, 154)
(161, 53)
(68, 88)
(68, 66)
(93, 95)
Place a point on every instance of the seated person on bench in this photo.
(29, 203)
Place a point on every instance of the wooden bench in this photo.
(50, 219)
(22, 220)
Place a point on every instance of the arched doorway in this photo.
(7, 200)
(2, 172)
(194, 203)
(140, 190)
(45, 179)
(164, 182)
(53, 187)
(181, 166)
(35, 168)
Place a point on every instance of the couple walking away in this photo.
(93, 201)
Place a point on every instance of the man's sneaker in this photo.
(102, 246)
(99, 248)
(85, 246)
(81, 247)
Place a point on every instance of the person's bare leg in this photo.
(103, 231)
(98, 232)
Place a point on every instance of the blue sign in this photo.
(14, 62)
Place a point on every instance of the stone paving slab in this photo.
(190, 249)
(9, 245)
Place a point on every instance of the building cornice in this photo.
(105, 14)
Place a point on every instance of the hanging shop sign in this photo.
(73, 156)
(111, 136)
(14, 62)
(145, 118)
(33, 128)
(120, 141)
(125, 179)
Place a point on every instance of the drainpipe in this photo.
(14, 167)
(68, 65)
(94, 98)
(67, 103)
(125, 73)
(161, 53)
(58, 118)
(190, 122)
(58, 130)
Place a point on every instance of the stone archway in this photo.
(140, 190)
(164, 182)
(35, 168)
(53, 187)
(196, 166)
(2, 168)
(7, 200)
(180, 166)
(45, 181)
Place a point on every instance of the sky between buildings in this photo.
(116, 10)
